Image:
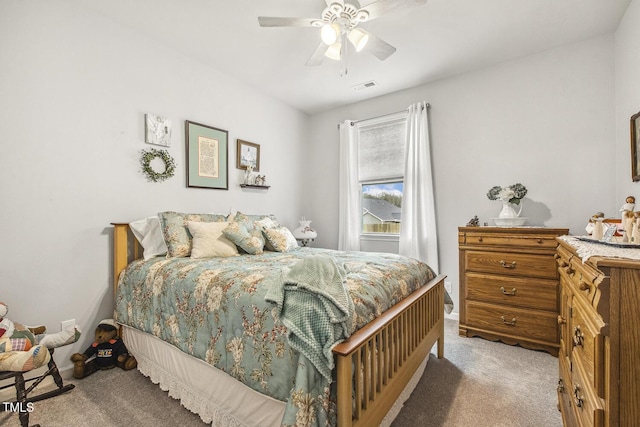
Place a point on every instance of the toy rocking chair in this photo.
(22, 393)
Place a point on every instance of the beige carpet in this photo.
(484, 384)
(479, 383)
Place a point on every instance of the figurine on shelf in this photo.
(248, 175)
(474, 222)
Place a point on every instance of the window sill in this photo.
(380, 237)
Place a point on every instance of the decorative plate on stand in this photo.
(510, 222)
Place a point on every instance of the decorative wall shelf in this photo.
(261, 187)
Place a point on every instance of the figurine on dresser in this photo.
(635, 235)
(628, 218)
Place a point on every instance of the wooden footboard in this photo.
(386, 352)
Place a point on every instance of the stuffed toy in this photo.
(109, 351)
(23, 348)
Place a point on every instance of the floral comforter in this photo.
(215, 309)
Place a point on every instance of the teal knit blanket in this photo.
(315, 306)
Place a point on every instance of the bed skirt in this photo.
(216, 397)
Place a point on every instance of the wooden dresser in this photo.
(509, 285)
(599, 356)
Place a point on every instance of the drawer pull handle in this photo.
(508, 323)
(579, 400)
(569, 270)
(560, 387)
(584, 286)
(540, 241)
(505, 265)
(578, 337)
(561, 320)
(509, 293)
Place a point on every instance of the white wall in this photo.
(74, 88)
(545, 120)
(627, 90)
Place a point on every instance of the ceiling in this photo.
(435, 40)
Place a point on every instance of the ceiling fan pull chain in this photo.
(343, 56)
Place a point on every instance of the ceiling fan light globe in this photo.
(329, 34)
(358, 38)
(334, 51)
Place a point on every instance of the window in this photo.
(381, 147)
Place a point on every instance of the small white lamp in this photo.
(304, 233)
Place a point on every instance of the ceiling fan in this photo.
(339, 23)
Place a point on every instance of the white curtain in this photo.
(418, 237)
(349, 191)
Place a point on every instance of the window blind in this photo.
(381, 150)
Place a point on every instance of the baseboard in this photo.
(454, 315)
(66, 372)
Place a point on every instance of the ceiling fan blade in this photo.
(318, 55)
(378, 47)
(382, 7)
(269, 21)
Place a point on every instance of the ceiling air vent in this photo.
(365, 85)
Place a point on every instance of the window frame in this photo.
(389, 119)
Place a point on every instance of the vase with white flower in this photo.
(509, 196)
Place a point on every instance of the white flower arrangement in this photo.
(512, 194)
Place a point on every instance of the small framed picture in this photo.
(248, 154)
(157, 130)
(207, 156)
(635, 147)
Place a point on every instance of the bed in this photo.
(226, 355)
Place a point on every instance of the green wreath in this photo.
(169, 164)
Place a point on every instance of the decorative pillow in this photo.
(149, 234)
(281, 239)
(208, 240)
(232, 215)
(176, 233)
(246, 236)
(264, 223)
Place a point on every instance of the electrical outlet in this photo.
(68, 325)
(447, 286)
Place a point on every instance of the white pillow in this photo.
(281, 239)
(149, 234)
(208, 240)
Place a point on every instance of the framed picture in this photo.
(157, 130)
(207, 156)
(635, 147)
(248, 154)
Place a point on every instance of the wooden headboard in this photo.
(126, 248)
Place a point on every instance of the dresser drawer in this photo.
(588, 407)
(582, 278)
(528, 324)
(539, 294)
(483, 238)
(565, 391)
(587, 345)
(511, 264)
